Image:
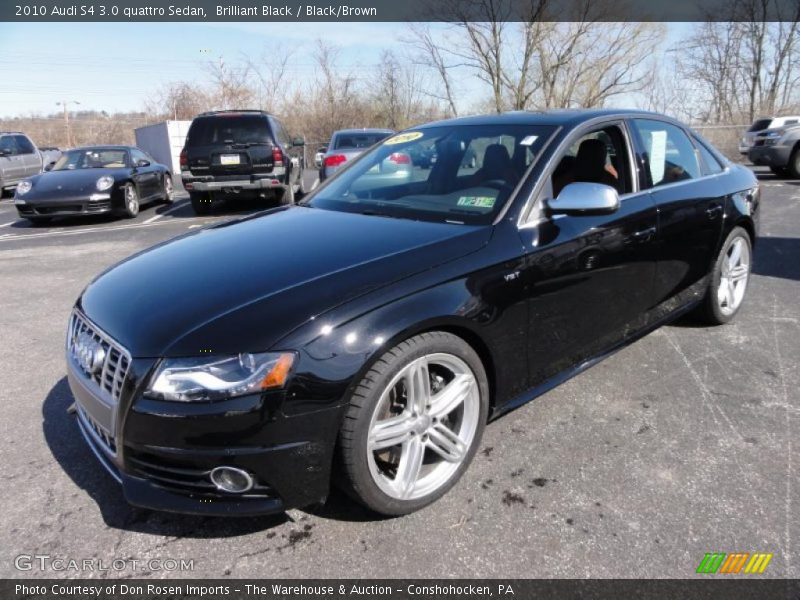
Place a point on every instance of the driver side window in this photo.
(599, 156)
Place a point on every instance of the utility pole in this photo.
(67, 128)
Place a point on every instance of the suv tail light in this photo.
(399, 158)
(184, 160)
(277, 155)
(334, 160)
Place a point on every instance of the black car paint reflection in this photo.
(539, 297)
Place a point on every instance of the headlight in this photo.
(23, 187)
(105, 182)
(205, 378)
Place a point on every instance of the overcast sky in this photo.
(116, 66)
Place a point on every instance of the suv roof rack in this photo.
(232, 110)
(11, 132)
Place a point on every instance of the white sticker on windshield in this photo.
(528, 140)
(658, 155)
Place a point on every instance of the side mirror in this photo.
(298, 142)
(142, 163)
(4, 151)
(49, 166)
(582, 198)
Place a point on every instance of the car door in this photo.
(690, 210)
(29, 157)
(144, 176)
(589, 279)
(12, 168)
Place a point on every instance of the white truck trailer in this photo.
(164, 142)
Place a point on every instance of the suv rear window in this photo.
(760, 124)
(359, 140)
(228, 129)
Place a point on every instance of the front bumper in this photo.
(163, 452)
(94, 204)
(770, 156)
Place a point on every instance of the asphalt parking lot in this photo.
(684, 443)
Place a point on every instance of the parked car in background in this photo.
(240, 153)
(94, 180)
(346, 145)
(19, 159)
(369, 333)
(778, 149)
(320, 154)
(762, 124)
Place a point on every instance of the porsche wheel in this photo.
(131, 198)
(168, 189)
(414, 423)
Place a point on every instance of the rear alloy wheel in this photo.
(414, 423)
(201, 203)
(729, 278)
(168, 193)
(131, 198)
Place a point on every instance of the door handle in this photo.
(713, 210)
(644, 235)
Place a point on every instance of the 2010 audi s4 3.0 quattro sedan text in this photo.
(366, 335)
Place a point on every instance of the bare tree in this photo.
(431, 55)
(230, 85)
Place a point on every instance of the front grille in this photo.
(110, 375)
(180, 477)
(100, 435)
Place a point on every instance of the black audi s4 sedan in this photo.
(365, 336)
(94, 180)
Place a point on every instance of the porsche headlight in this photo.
(23, 187)
(104, 183)
(206, 378)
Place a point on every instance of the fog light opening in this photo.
(231, 480)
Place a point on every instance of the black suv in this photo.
(240, 152)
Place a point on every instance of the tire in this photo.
(445, 361)
(725, 295)
(168, 189)
(201, 203)
(287, 197)
(130, 196)
(793, 168)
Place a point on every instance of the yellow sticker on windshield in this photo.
(403, 138)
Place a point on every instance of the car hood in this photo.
(244, 285)
(77, 180)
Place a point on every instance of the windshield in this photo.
(228, 129)
(92, 159)
(359, 139)
(458, 173)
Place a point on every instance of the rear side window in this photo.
(760, 124)
(228, 129)
(710, 163)
(24, 144)
(670, 153)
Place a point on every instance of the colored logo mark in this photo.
(737, 562)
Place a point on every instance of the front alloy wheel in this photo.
(414, 423)
(131, 198)
(169, 189)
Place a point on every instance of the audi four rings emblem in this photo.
(88, 352)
